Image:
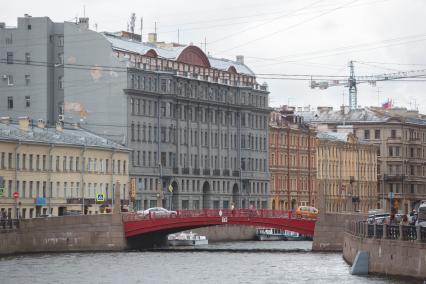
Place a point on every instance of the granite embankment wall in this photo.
(391, 257)
(102, 232)
(228, 233)
(330, 230)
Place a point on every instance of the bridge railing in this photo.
(260, 213)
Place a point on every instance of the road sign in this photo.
(16, 194)
(100, 197)
(1, 191)
(170, 188)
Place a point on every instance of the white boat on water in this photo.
(187, 239)
(271, 234)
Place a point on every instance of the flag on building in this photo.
(387, 105)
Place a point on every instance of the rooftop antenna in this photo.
(132, 23)
(378, 96)
(141, 28)
(178, 35)
(155, 27)
(96, 26)
(205, 45)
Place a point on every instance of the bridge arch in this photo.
(206, 195)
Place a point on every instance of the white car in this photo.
(157, 212)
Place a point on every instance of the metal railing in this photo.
(258, 213)
(385, 231)
(9, 224)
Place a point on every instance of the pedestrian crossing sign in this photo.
(170, 188)
(100, 197)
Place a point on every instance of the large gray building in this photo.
(197, 124)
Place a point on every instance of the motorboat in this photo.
(271, 234)
(187, 239)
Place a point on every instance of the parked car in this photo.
(306, 212)
(377, 216)
(421, 215)
(158, 212)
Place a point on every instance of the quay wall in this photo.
(330, 230)
(224, 233)
(103, 232)
(390, 257)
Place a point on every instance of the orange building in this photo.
(292, 164)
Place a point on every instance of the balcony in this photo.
(225, 173)
(394, 177)
(206, 172)
(185, 171)
(216, 172)
(394, 139)
(235, 173)
(196, 172)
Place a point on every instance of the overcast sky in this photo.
(281, 37)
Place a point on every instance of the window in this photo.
(29, 27)
(9, 59)
(27, 79)
(27, 101)
(61, 82)
(60, 58)
(367, 134)
(393, 133)
(9, 103)
(60, 41)
(27, 58)
(377, 134)
(10, 80)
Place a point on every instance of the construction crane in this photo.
(353, 81)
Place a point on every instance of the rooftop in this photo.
(364, 115)
(172, 53)
(78, 137)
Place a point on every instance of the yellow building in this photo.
(346, 172)
(55, 171)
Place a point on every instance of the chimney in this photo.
(5, 120)
(41, 123)
(24, 123)
(84, 22)
(2, 25)
(240, 59)
(152, 37)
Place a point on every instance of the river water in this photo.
(219, 263)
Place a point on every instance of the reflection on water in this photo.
(188, 267)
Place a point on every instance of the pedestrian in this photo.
(404, 221)
(392, 220)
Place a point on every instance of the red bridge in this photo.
(139, 225)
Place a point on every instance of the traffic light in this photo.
(395, 203)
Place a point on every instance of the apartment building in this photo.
(346, 172)
(196, 124)
(55, 170)
(400, 136)
(293, 168)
